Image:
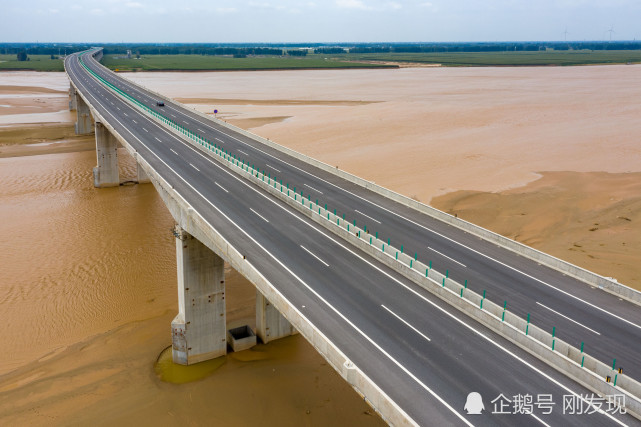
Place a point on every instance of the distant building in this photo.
(128, 54)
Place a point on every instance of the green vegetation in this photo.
(207, 62)
(34, 62)
(519, 58)
(325, 60)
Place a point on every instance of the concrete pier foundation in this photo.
(142, 175)
(83, 120)
(105, 174)
(72, 98)
(270, 324)
(199, 330)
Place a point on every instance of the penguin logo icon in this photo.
(474, 404)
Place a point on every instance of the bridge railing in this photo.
(604, 379)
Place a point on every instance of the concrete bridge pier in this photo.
(83, 120)
(142, 175)
(106, 173)
(72, 98)
(270, 324)
(199, 330)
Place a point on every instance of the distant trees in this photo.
(330, 50)
(150, 49)
(297, 52)
(22, 55)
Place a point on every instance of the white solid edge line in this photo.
(376, 267)
(223, 188)
(312, 254)
(406, 322)
(566, 317)
(194, 167)
(375, 220)
(450, 258)
(263, 218)
(540, 420)
(309, 186)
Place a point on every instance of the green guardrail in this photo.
(235, 160)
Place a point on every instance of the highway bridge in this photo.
(414, 356)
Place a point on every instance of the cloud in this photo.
(352, 4)
(377, 6)
(226, 10)
(134, 5)
(97, 12)
(428, 5)
(265, 5)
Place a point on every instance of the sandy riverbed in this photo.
(548, 156)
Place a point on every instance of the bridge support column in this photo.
(199, 330)
(142, 175)
(106, 173)
(83, 120)
(72, 97)
(270, 324)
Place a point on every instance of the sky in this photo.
(275, 21)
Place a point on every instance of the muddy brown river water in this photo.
(77, 261)
(87, 276)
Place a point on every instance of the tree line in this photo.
(293, 49)
(494, 47)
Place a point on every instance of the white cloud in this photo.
(226, 10)
(352, 4)
(265, 5)
(97, 12)
(428, 5)
(134, 5)
(54, 11)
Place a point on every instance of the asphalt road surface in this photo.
(424, 354)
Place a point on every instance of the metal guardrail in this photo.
(521, 331)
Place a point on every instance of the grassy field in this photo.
(455, 59)
(36, 63)
(462, 59)
(200, 62)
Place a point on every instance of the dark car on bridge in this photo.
(160, 103)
